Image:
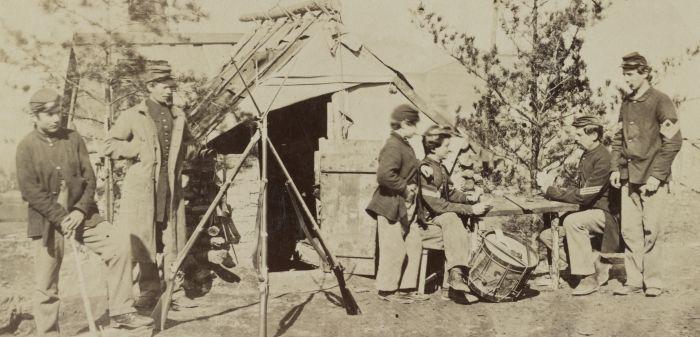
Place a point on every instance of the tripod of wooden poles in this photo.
(316, 240)
(260, 255)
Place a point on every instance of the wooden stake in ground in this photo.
(264, 286)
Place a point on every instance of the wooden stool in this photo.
(423, 278)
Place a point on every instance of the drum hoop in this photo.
(513, 292)
(527, 248)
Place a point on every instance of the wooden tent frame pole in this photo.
(264, 286)
(109, 190)
(267, 67)
(298, 9)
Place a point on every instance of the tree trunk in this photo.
(534, 159)
(534, 100)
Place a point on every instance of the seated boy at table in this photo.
(439, 209)
(595, 215)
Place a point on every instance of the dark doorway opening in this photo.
(295, 131)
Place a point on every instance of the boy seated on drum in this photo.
(595, 216)
(439, 209)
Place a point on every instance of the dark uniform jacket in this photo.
(648, 139)
(437, 194)
(594, 191)
(41, 165)
(163, 119)
(397, 167)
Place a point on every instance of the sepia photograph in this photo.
(347, 168)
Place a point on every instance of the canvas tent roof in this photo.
(291, 59)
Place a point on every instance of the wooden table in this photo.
(519, 205)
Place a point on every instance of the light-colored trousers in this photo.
(392, 254)
(642, 220)
(447, 232)
(113, 249)
(546, 239)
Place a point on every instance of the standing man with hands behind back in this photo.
(396, 172)
(643, 150)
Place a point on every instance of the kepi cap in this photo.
(44, 100)
(405, 112)
(158, 71)
(582, 121)
(634, 61)
(439, 130)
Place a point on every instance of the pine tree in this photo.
(526, 99)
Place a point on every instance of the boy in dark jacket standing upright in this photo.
(395, 175)
(58, 184)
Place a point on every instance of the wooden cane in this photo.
(62, 200)
(83, 291)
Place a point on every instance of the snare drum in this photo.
(501, 266)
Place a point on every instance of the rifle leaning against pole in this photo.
(351, 306)
(160, 311)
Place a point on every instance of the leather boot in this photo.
(456, 280)
(602, 271)
(588, 285)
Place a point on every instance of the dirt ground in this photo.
(306, 303)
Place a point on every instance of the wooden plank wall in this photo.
(347, 178)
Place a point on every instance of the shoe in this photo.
(396, 297)
(456, 280)
(462, 297)
(587, 286)
(627, 290)
(130, 321)
(652, 292)
(602, 271)
(145, 303)
(416, 296)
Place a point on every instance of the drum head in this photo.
(511, 250)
